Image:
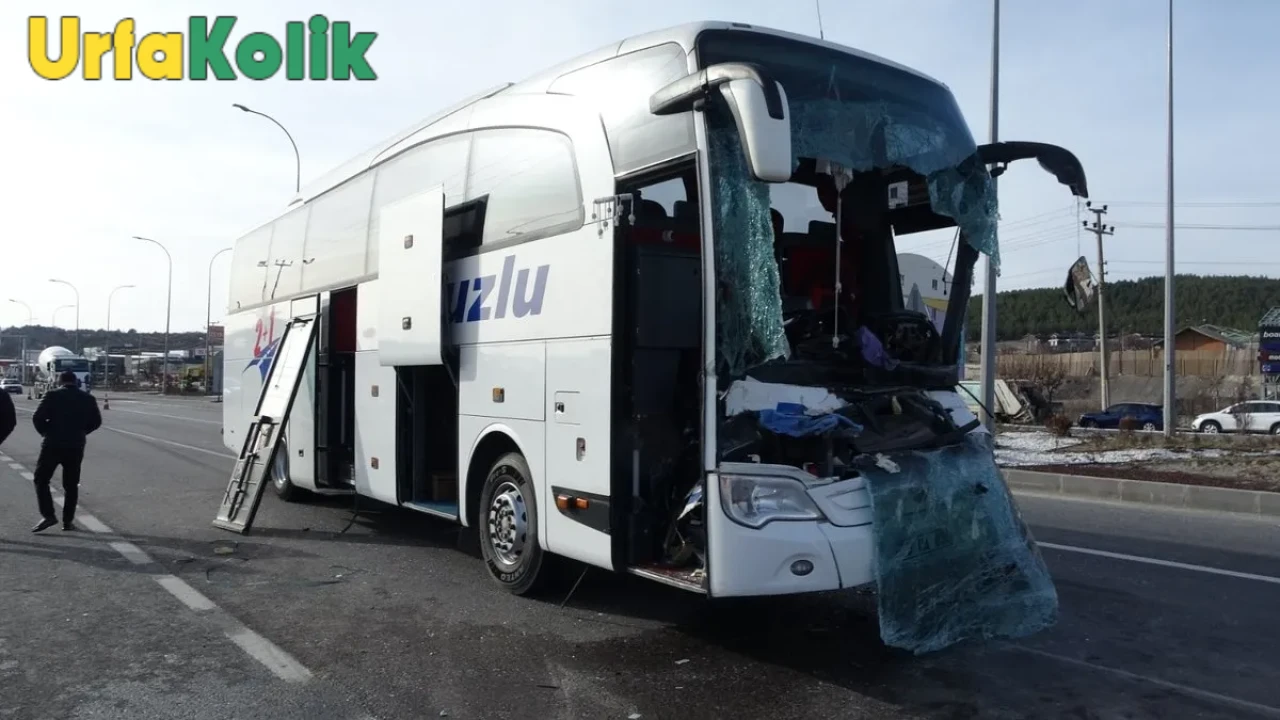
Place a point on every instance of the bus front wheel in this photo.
(508, 526)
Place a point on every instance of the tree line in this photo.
(126, 341)
(1133, 306)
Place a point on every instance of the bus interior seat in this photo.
(686, 216)
(650, 213)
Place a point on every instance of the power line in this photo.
(1231, 204)
(1192, 226)
(1195, 262)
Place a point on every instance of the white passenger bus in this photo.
(641, 310)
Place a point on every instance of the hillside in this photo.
(1135, 306)
(39, 337)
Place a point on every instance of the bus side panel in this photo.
(251, 341)
(300, 431)
(237, 353)
(375, 427)
(578, 448)
(529, 436)
(501, 388)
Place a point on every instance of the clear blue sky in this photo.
(90, 164)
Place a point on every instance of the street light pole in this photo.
(168, 310)
(208, 318)
(31, 318)
(297, 159)
(1170, 387)
(60, 309)
(988, 385)
(77, 292)
(106, 368)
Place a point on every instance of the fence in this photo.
(1138, 363)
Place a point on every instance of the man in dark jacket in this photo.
(8, 416)
(64, 419)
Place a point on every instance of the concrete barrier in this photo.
(1192, 497)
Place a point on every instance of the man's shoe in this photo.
(68, 526)
(44, 524)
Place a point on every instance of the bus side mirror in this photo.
(759, 107)
(765, 139)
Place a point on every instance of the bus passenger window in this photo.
(529, 181)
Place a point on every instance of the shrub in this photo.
(1059, 425)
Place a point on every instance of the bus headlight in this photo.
(757, 500)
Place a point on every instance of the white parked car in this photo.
(12, 386)
(1257, 416)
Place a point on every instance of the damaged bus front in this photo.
(836, 450)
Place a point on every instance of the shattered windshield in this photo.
(856, 112)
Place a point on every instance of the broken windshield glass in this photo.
(954, 560)
(857, 112)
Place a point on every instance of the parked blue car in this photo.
(1149, 417)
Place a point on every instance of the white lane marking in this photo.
(93, 524)
(16, 465)
(1266, 710)
(189, 403)
(280, 663)
(268, 653)
(1162, 563)
(5, 458)
(162, 415)
(131, 552)
(184, 446)
(186, 594)
(27, 475)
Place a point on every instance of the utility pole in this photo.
(1170, 379)
(988, 385)
(1099, 229)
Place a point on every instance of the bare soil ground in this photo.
(1249, 464)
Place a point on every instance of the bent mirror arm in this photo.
(1057, 161)
(683, 94)
(759, 107)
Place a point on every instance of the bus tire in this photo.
(280, 482)
(508, 526)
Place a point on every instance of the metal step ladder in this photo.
(262, 441)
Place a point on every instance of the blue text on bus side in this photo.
(473, 299)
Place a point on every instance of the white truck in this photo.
(596, 315)
(56, 360)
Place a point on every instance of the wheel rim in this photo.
(508, 523)
(1211, 428)
(1149, 426)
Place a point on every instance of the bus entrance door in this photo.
(262, 441)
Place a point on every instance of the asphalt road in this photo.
(1165, 614)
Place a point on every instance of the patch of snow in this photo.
(1035, 448)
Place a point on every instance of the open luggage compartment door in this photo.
(262, 441)
(410, 260)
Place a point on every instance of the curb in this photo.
(1146, 492)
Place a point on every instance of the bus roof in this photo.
(684, 35)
